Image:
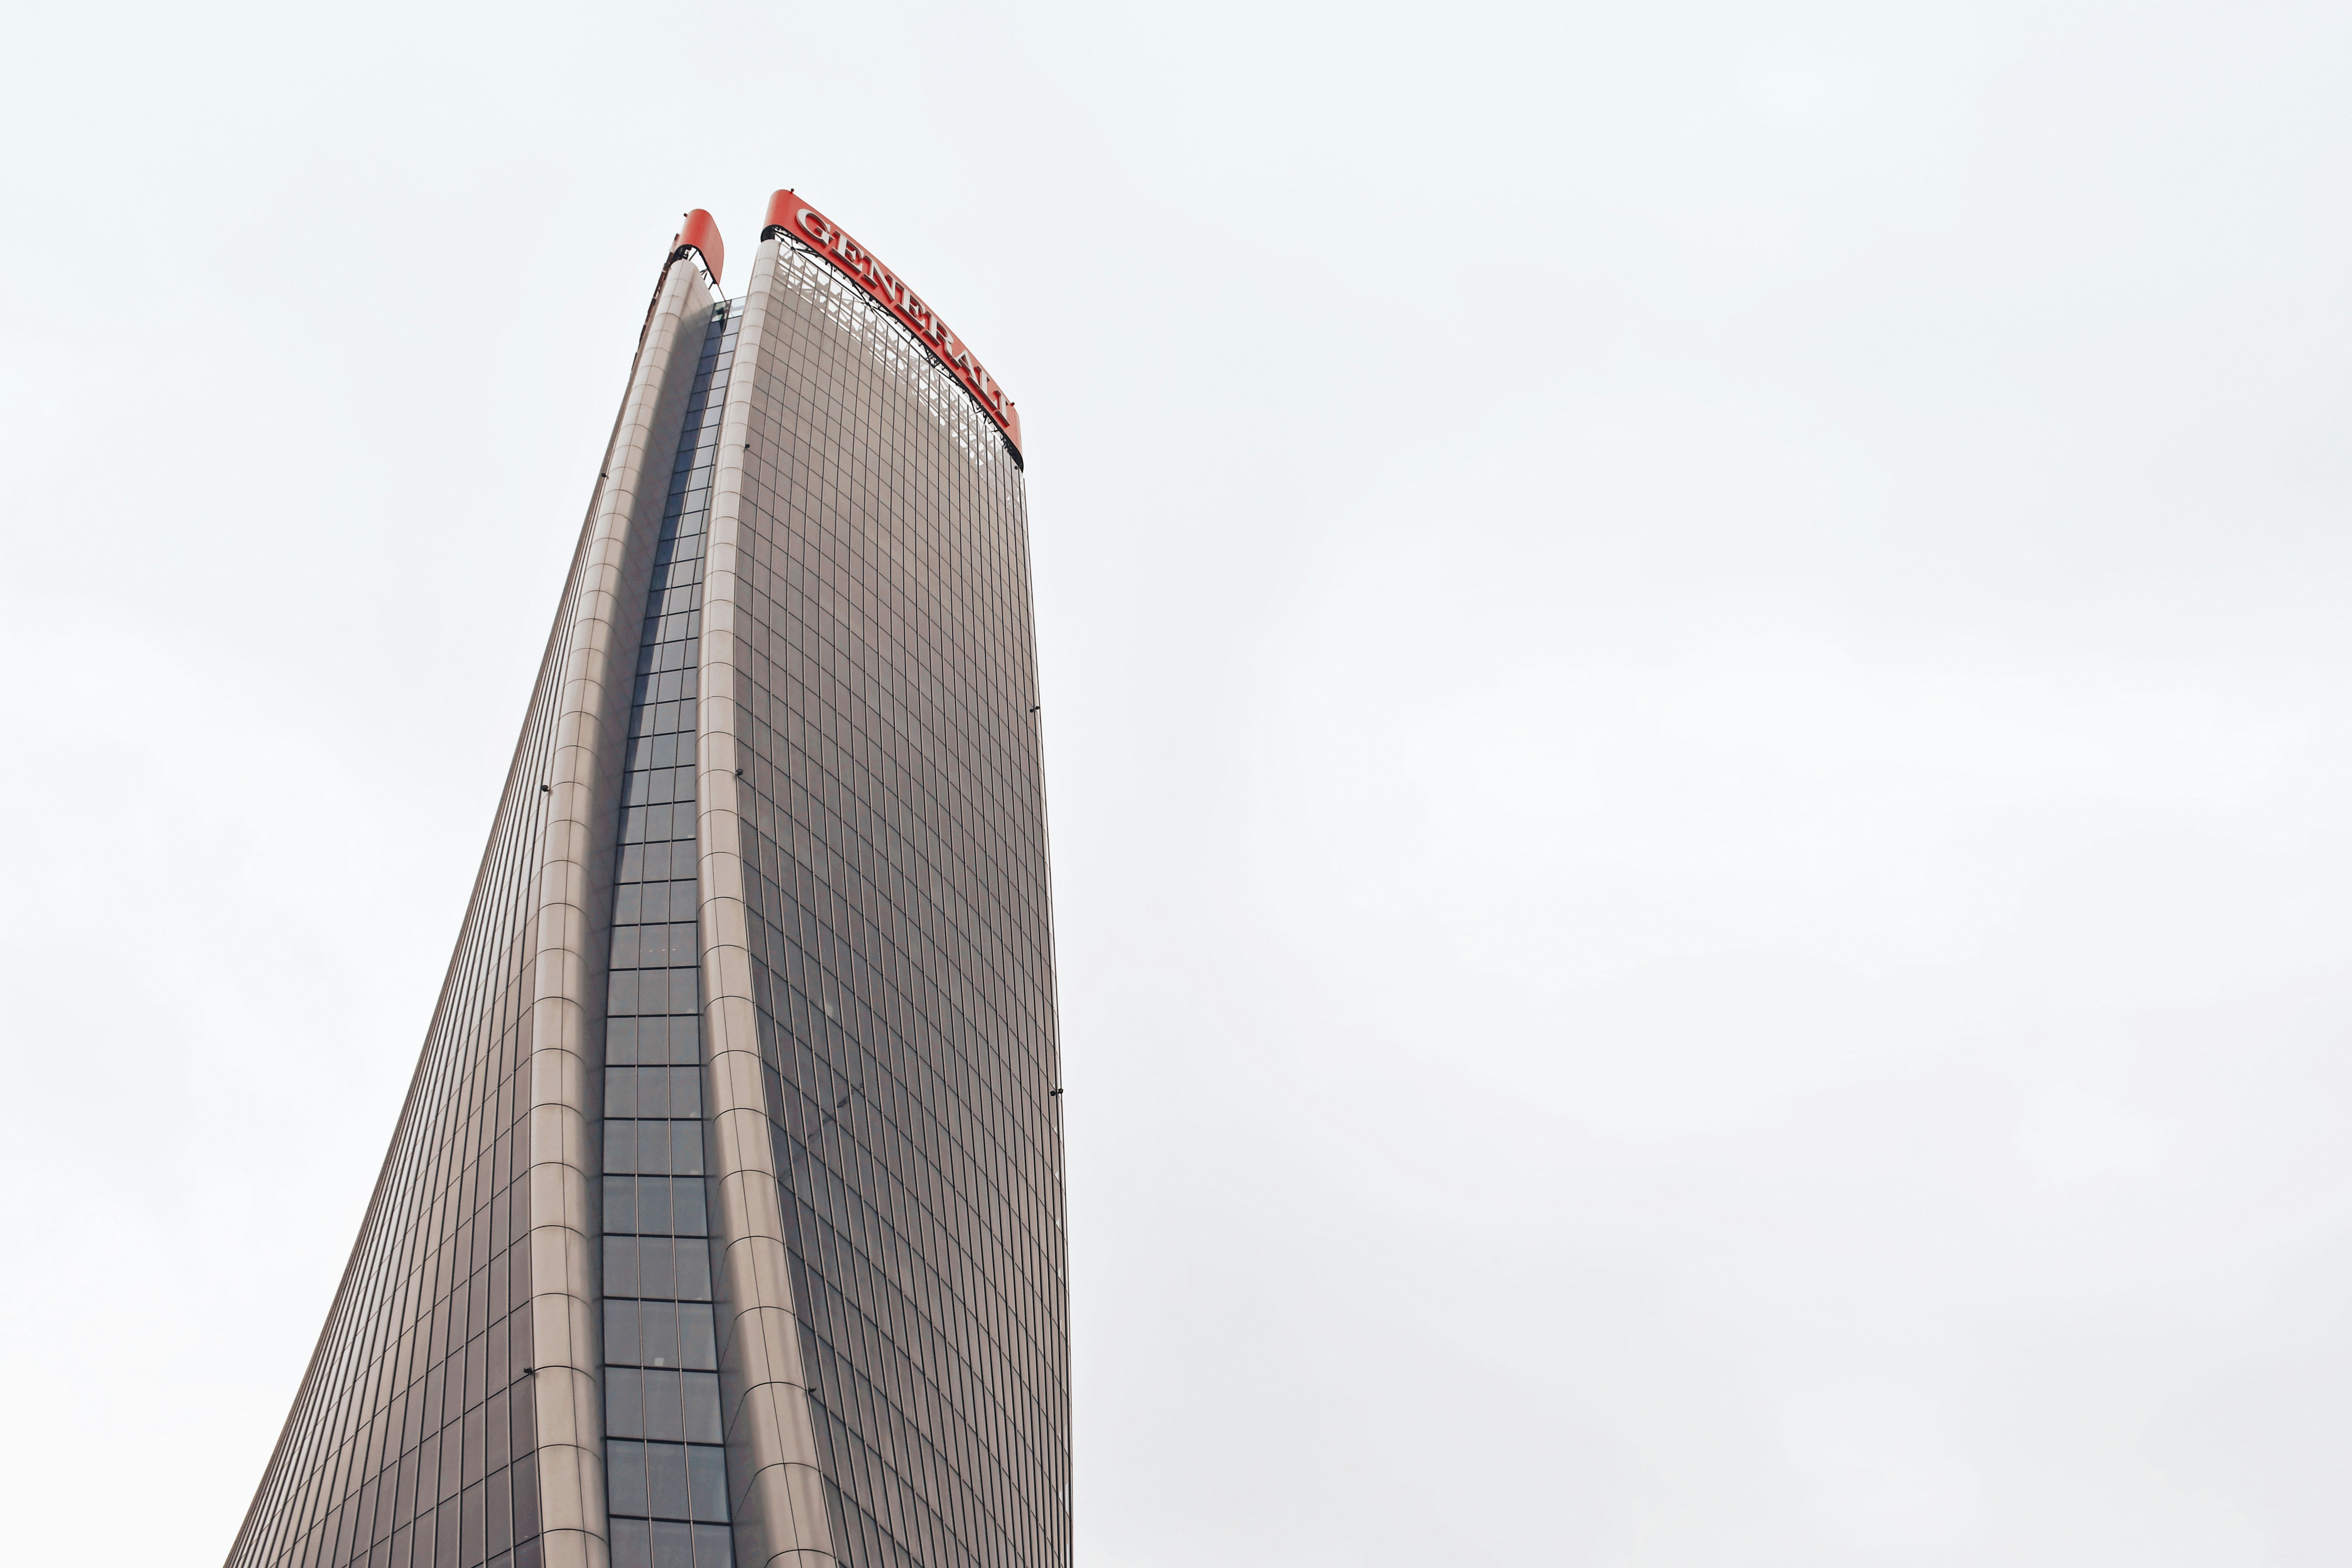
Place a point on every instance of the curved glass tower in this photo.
(724, 1221)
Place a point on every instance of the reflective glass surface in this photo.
(664, 1468)
(895, 843)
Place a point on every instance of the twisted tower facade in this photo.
(724, 1221)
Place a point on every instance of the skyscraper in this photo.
(723, 1223)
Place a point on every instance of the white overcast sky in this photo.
(1698, 664)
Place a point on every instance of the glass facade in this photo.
(664, 1462)
(879, 657)
(894, 841)
(411, 1442)
(416, 1438)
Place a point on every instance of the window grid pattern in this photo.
(894, 844)
(666, 1469)
(411, 1442)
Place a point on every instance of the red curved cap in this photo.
(700, 232)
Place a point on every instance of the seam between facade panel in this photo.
(779, 1510)
(668, 1504)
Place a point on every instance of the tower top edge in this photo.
(698, 232)
(790, 214)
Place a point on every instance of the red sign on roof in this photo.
(699, 232)
(795, 216)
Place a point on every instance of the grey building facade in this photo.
(724, 1221)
